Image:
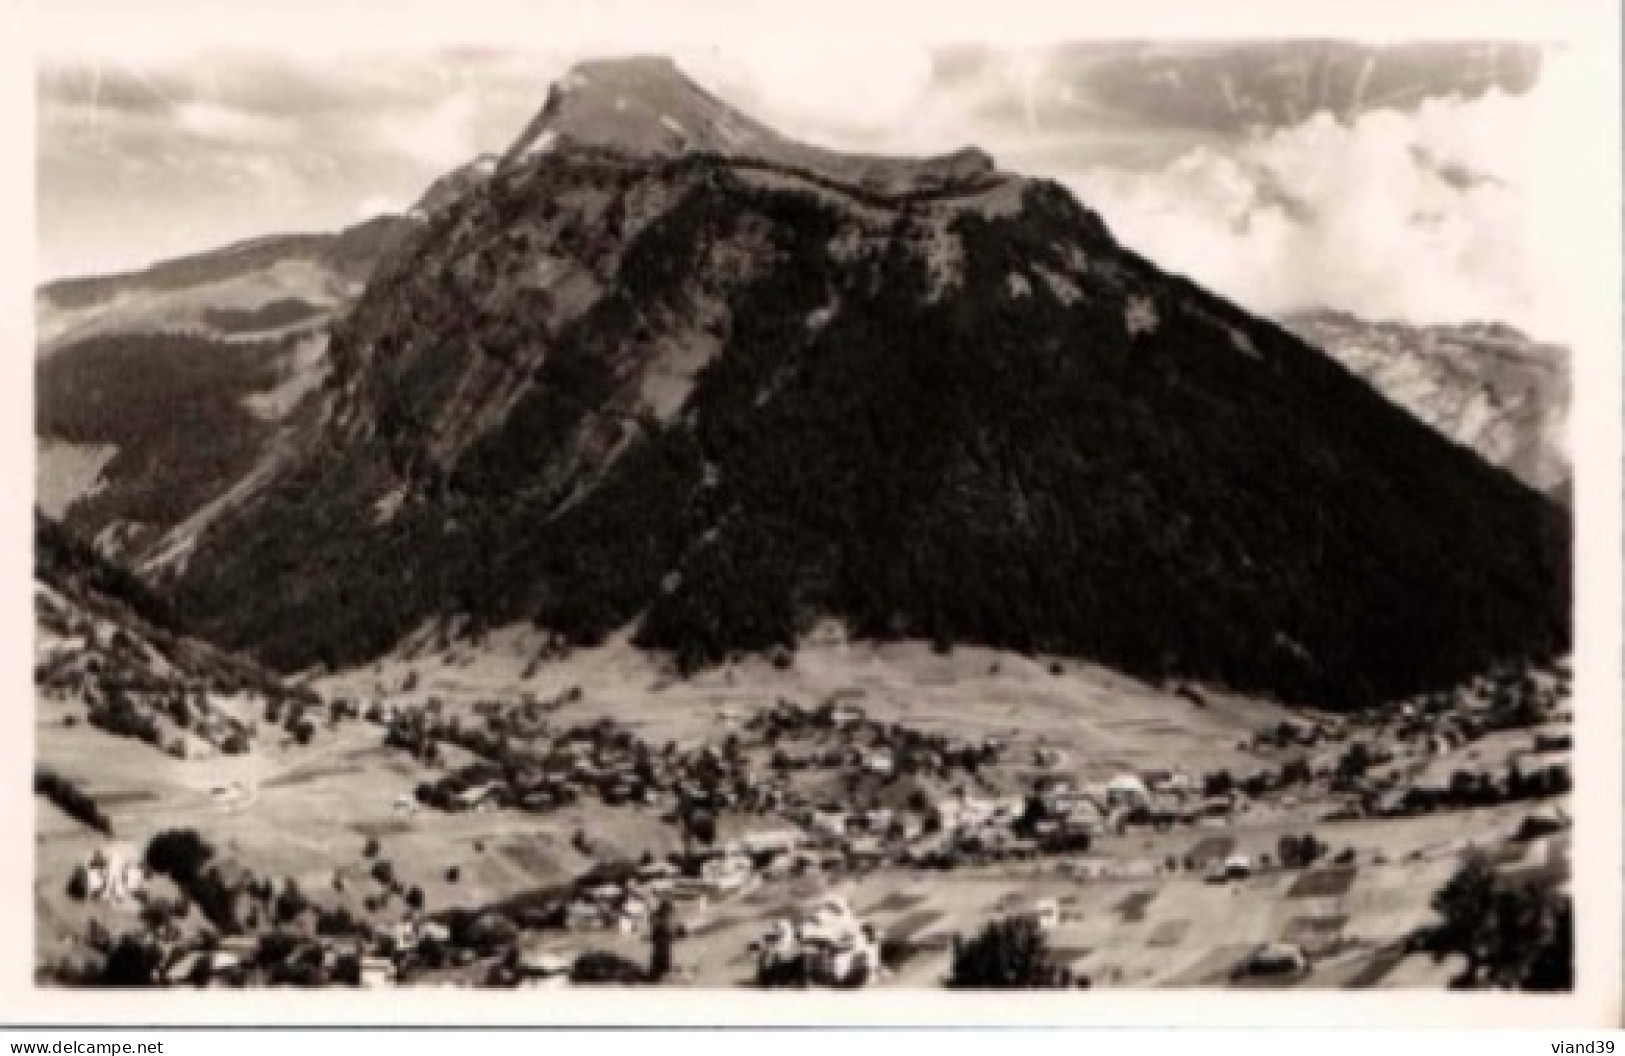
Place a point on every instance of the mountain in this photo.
(249, 289)
(665, 370)
(105, 641)
(162, 393)
(1484, 385)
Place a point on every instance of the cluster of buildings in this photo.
(823, 945)
(112, 873)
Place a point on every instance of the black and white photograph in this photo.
(626, 504)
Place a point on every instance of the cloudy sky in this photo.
(1425, 181)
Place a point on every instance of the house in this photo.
(880, 762)
(845, 714)
(830, 822)
(475, 797)
(1234, 867)
(1009, 808)
(772, 841)
(1274, 959)
(537, 966)
(658, 871)
(865, 850)
(183, 968)
(948, 813)
(583, 915)
(839, 949)
(1049, 758)
(727, 873)
(975, 811)
(1553, 741)
(1176, 784)
(1537, 762)
(114, 873)
(1127, 790)
(878, 820)
(377, 972)
(1046, 912)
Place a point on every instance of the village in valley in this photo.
(850, 815)
(671, 551)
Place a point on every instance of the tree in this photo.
(1218, 783)
(290, 902)
(1009, 954)
(1354, 762)
(1552, 967)
(179, 854)
(603, 966)
(133, 962)
(1511, 935)
(662, 935)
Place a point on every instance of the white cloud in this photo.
(1374, 226)
(437, 140)
(378, 205)
(216, 122)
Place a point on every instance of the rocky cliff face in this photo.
(714, 386)
(1485, 386)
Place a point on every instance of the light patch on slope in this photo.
(1065, 290)
(1244, 344)
(819, 318)
(305, 371)
(384, 510)
(67, 472)
(672, 370)
(147, 311)
(1140, 316)
(944, 255)
(175, 548)
(1001, 201)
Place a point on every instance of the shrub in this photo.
(1008, 954)
(179, 854)
(603, 966)
(1510, 935)
(133, 961)
(72, 800)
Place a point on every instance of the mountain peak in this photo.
(641, 105)
(644, 105)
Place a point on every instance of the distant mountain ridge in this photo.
(1484, 385)
(714, 395)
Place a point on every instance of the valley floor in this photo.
(1135, 909)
